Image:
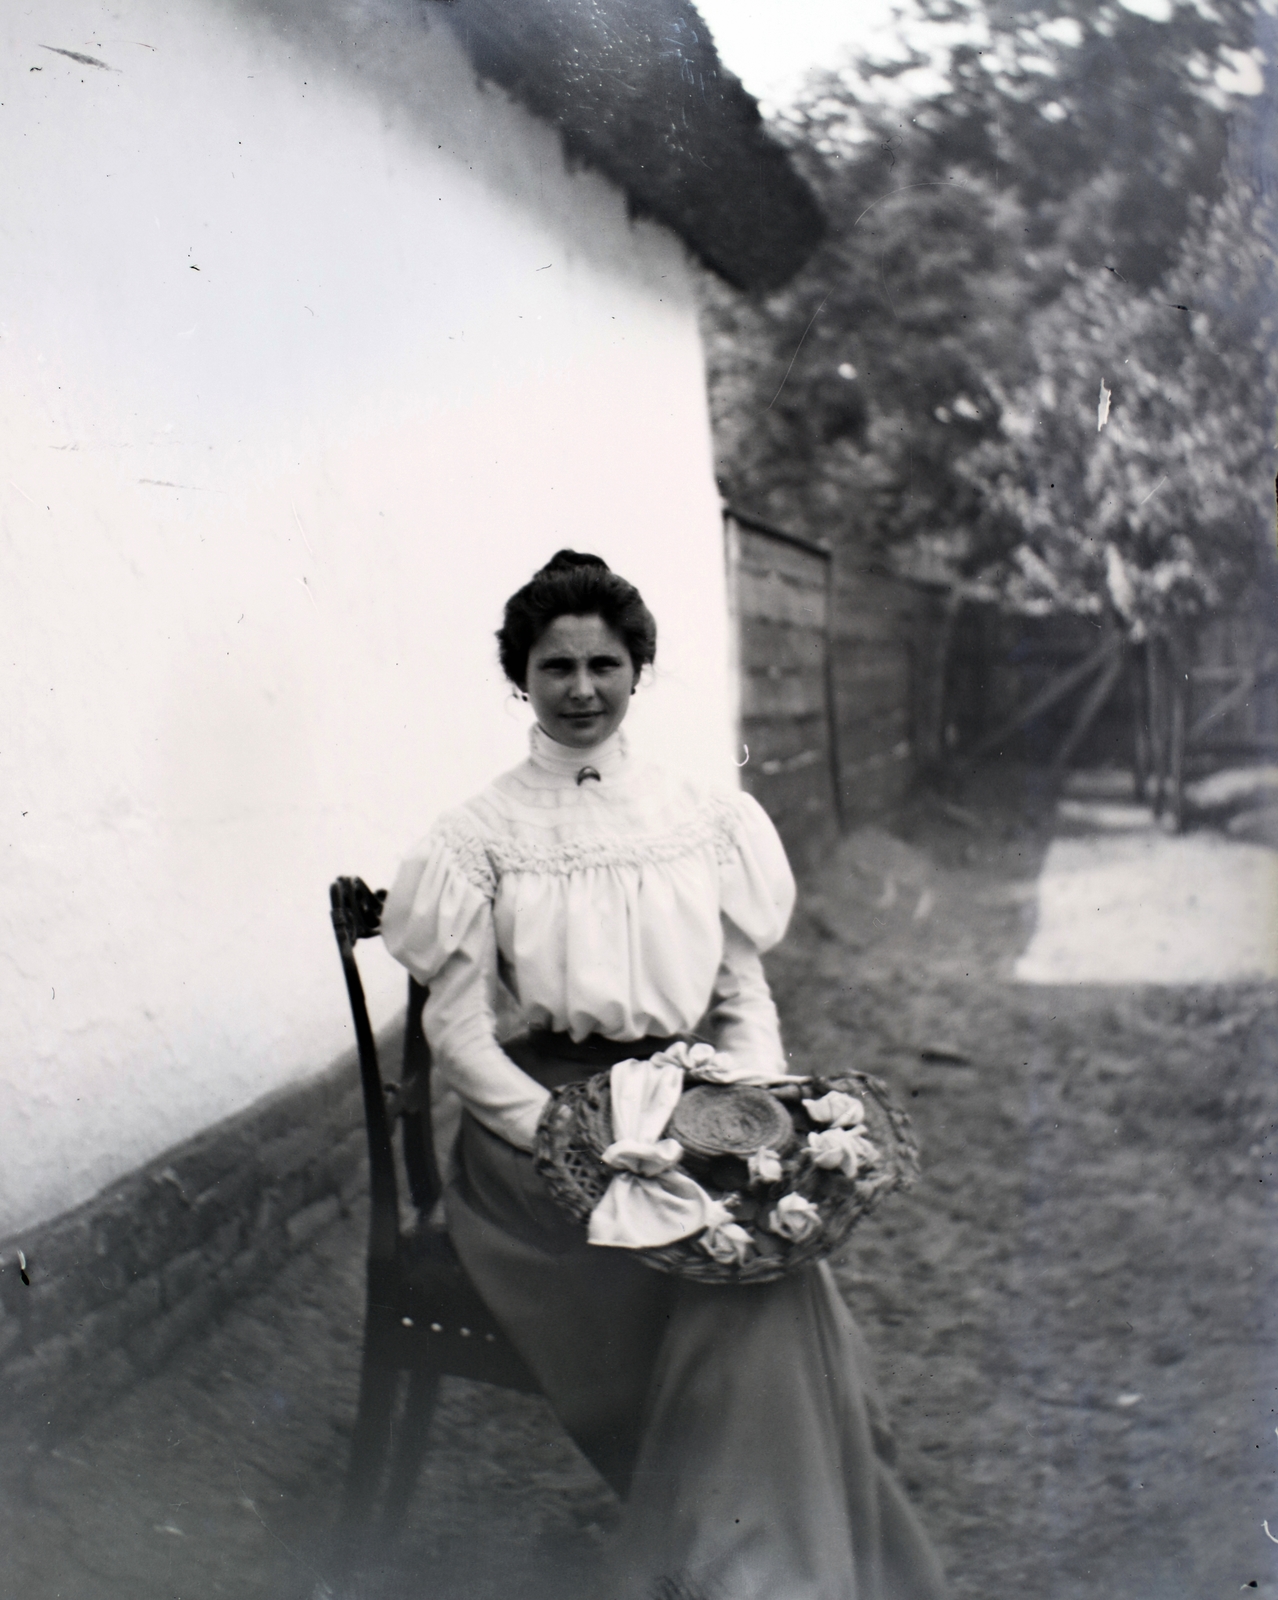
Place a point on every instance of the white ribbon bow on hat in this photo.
(648, 1203)
(708, 1066)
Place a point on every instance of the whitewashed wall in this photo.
(311, 351)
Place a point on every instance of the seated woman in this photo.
(585, 910)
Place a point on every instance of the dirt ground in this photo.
(1075, 1310)
(1121, 900)
(1073, 1314)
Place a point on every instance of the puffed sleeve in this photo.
(438, 922)
(756, 889)
(756, 886)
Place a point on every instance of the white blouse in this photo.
(626, 905)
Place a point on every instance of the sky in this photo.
(772, 45)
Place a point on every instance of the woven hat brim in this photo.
(576, 1128)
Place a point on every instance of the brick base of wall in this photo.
(115, 1286)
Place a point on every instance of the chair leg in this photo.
(423, 1391)
(370, 1443)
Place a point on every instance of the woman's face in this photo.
(580, 679)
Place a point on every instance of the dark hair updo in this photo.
(574, 585)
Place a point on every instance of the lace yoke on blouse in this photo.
(629, 903)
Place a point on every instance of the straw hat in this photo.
(797, 1164)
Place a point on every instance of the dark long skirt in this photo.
(740, 1424)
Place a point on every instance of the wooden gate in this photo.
(1172, 705)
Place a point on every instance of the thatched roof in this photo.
(637, 91)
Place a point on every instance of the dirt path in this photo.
(1075, 1311)
(1121, 900)
(1074, 1314)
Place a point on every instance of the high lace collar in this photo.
(606, 758)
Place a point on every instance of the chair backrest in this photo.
(356, 912)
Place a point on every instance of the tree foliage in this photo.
(1133, 468)
(992, 240)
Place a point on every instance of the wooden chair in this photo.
(423, 1315)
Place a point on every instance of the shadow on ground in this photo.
(1073, 1314)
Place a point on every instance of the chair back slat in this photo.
(353, 919)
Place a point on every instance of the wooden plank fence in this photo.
(829, 681)
(779, 592)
